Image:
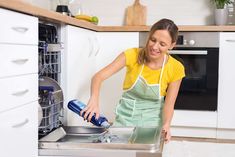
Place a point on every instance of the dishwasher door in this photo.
(100, 142)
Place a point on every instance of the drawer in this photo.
(18, 28)
(18, 59)
(19, 131)
(16, 91)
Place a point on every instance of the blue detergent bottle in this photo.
(76, 106)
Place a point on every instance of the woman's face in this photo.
(159, 43)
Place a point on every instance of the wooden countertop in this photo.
(55, 17)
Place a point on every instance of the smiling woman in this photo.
(151, 83)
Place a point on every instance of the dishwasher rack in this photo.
(49, 51)
(49, 61)
(52, 108)
(49, 67)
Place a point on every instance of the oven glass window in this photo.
(195, 70)
(198, 89)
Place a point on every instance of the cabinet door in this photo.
(18, 28)
(226, 107)
(19, 131)
(16, 91)
(79, 67)
(18, 59)
(111, 45)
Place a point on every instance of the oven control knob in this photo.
(191, 42)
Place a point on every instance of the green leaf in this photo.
(220, 4)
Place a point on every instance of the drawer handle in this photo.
(20, 29)
(20, 124)
(19, 93)
(230, 40)
(20, 61)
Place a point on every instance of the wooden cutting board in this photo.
(136, 14)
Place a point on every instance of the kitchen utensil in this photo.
(63, 9)
(84, 130)
(62, 6)
(45, 81)
(136, 14)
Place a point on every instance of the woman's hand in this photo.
(167, 132)
(91, 109)
(93, 106)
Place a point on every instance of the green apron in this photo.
(142, 104)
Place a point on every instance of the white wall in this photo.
(183, 12)
(46, 4)
(112, 12)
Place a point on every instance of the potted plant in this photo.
(221, 11)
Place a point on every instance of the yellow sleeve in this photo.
(179, 71)
(131, 56)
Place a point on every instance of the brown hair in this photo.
(163, 24)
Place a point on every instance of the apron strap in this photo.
(160, 79)
(141, 70)
(163, 65)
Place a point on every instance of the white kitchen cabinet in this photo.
(111, 45)
(78, 64)
(18, 28)
(19, 84)
(19, 131)
(226, 107)
(16, 91)
(85, 53)
(18, 59)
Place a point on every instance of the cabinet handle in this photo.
(92, 47)
(98, 45)
(98, 50)
(21, 123)
(20, 61)
(230, 40)
(19, 93)
(20, 29)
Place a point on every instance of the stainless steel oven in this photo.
(199, 53)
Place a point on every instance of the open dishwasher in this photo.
(84, 141)
(49, 67)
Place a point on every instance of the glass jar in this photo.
(75, 8)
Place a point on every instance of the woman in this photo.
(151, 83)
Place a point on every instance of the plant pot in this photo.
(221, 16)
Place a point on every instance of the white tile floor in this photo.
(198, 149)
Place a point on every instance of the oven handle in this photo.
(230, 40)
(189, 52)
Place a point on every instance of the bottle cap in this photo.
(105, 124)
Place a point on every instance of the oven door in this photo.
(198, 89)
